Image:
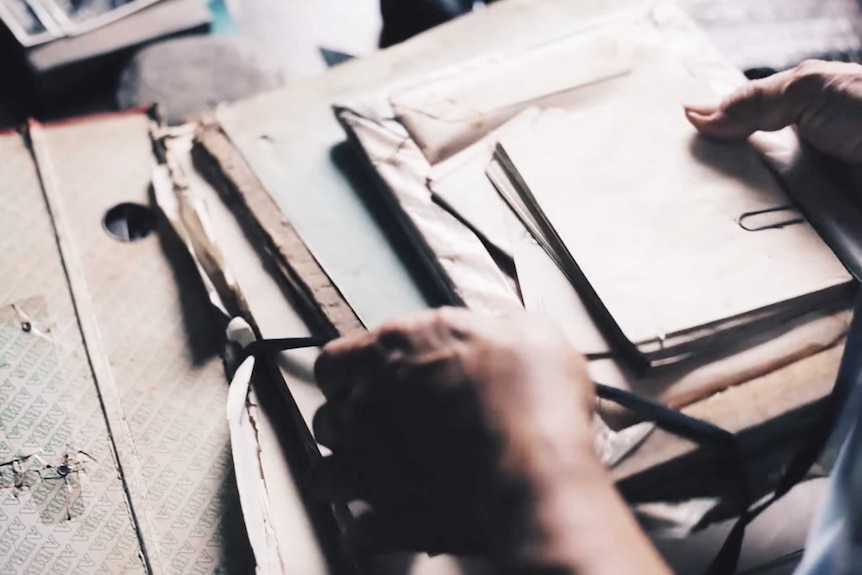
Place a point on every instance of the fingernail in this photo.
(701, 106)
(701, 119)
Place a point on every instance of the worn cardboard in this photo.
(50, 404)
(131, 333)
(270, 407)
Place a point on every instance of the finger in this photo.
(383, 533)
(335, 479)
(330, 424)
(768, 104)
(345, 361)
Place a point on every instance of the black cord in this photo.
(706, 434)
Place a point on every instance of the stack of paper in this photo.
(647, 242)
(580, 190)
(673, 241)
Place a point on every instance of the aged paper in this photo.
(651, 215)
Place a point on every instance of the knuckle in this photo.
(401, 328)
(749, 91)
(445, 317)
(808, 79)
(390, 330)
(744, 101)
(810, 68)
(813, 80)
(392, 337)
(845, 79)
(410, 323)
(403, 333)
(752, 93)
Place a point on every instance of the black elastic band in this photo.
(696, 430)
(668, 419)
(263, 346)
(705, 433)
(849, 378)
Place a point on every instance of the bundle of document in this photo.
(584, 192)
(674, 242)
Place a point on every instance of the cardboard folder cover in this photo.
(117, 376)
(50, 412)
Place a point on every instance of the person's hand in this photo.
(822, 99)
(445, 421)
(469, 433)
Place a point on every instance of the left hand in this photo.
(822, 99)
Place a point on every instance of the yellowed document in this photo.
(652, 215)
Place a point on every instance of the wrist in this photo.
(569, 518)
(552, 451)
(538, 470)
(554, 510)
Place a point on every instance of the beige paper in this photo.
(545, 289)
(650, 214)
(679, 385)
(454, 253)
(454, 111)
(461, 182)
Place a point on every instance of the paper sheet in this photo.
(461, 182)
(456, 257)
(447, 115)
(280, 532)
(545, 289)
(650, 214)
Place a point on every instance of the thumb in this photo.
(768, 104)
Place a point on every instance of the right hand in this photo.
(469, 433)
(447, 421)
(822, 99)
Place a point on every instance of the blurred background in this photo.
(61, 58)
